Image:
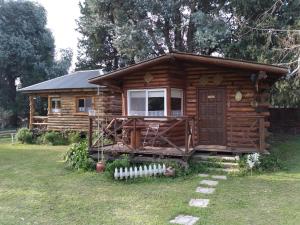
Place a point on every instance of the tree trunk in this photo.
(12, 104)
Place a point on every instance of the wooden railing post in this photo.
(261, 134)
(31, 111)
(134, 136)
(193, 132)
(186, 136)
(90, 135)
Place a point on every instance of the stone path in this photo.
(203, 175)
(185, 220)
(209, 182)
(219, 177)
(207, 188)
(199, 202)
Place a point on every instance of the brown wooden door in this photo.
(211, 118)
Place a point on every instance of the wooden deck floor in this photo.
(159, 151)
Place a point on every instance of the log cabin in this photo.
(64, 103)
(179, 103)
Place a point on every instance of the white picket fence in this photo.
(135, 172)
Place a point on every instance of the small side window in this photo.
(176, 102)
(55, 105)
(84, 104)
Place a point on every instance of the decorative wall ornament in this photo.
(254, 103)
(148, 77)
(238, 96)
(210, 80)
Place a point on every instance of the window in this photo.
(176, 102)
(84, 104)
(151, 102)
(55, 105)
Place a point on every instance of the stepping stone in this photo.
(205, 190)
(201, 203)
(203, 175)
(209, 182)
(185, 220)
(219, 177)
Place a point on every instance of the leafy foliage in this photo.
(77, 157)
(120, 33)
(26, 52)
(24, 135)
(270, 163)
(122, 162)
(54, 138)
(74, 137)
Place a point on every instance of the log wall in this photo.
(242, 125)
(107, 103)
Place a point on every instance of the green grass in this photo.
(35, 188)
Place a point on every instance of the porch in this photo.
(171, 136)
(160, 136)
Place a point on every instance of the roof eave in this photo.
(229, 63)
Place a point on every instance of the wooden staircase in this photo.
(221, 163)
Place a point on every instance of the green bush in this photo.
(269, 163)
(74, 137)
(122, 162)
(266, 163)
(77, 157)
(24, 135)
(54, 138)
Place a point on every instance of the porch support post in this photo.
(261, 134)
(31, 111)
(90, 134)
(168, 101)
(186, 136)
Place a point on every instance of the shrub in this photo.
(77, 157)
(24, 135)
(270, 163)
(54, 138)
(122, 162)
(74, 137)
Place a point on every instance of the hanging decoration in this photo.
(238, 96)
(148, 77)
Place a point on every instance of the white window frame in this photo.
(55, 109)
(182, 99)
(146, 102)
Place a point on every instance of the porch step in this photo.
(224, 170)
(221, 158)
(222, 164)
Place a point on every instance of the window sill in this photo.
(155, 119)
(80, 114)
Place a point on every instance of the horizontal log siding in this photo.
(236, 125)
(187, 77)
(105, 104)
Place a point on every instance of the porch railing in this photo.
(138, 132)
(248, 132)
(39, 122)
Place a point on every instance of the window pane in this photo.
(156, 104)
(55, 105)
(176, 102)
(88, 104)
(137, 101)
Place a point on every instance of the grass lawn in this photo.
(36, 189)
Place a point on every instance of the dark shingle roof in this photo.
(76, 80)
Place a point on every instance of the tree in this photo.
(26, 50)
(269, 32)
(117, 33)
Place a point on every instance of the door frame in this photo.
(225, 111)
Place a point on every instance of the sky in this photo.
(62, 15)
